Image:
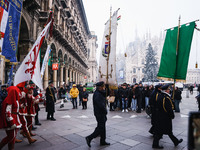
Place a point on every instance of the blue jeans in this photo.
(176, 105)
(74, 102)
(134, 104)
(124, 103)
(146, 101)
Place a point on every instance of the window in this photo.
(134, 70)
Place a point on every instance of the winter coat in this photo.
(74, 92)
(99, 103)
(50, 100)
(164, 114)
(177, 95)
(123, 93)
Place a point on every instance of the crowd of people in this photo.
(19, 106)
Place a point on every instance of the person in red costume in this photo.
(9, 117)
(31, 100)
(23, 113)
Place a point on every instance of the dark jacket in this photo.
(50, 100)
(164, 114)
(177, 95)
(84, 94)
(138, 92)
(99, 103)
(123, 93)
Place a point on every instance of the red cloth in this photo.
(11, 99)
(30, 105)
(23, 104)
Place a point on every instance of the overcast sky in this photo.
(144, 15)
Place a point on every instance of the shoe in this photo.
(48, 118)
(53, 119)
(123, 110)
(39, 124)
(34, 128)
(104, 143)
(126, 110)
(179, 141)
(88, 141)
(157, 147)
(18, 141)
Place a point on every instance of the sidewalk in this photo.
(125, 131)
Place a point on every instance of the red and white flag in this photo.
(30, 67)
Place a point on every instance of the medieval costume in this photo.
(9, 117)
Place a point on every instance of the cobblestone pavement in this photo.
(125, 131)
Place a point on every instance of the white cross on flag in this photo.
(30, 67)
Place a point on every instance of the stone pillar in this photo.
(46, 77)
(78, 78)
(55, 78)
(66, 75)
(61, 75)
(70, 76)
(59, 15)
(50, 4)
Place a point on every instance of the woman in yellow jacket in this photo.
(74, 94)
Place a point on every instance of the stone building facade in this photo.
(136, 52)
(193, 76)
(92, 62)
(69, 42)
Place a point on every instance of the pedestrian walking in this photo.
(80, 89)
(50, 102)
(84, 98)
(177, 99)
(124, 98)
(100, 112)
(74, 94)
(164, 115)
(9, 117)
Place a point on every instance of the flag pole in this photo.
(176, 53)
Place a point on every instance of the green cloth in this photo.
(172, 65)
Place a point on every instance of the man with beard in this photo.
(100, 112)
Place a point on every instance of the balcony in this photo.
(31, 5)
(43, 16)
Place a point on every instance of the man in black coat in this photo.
(100, 112)
(152, 101)
(50, 102)
(164, 115)
(138, 96)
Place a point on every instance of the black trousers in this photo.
(100, 129)
(157, 137)
(50, 115)
(36, 118)
(84, 104)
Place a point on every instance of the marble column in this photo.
(66, 76)
(61, 75)
(55, 78)
(70, 75)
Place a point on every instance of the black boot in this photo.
(104, 143)
(88, 141)
(156, 142)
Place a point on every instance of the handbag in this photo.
(111, 99)
(85, 99)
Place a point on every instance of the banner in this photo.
(10, 41)
(112, 54)
(30, 67)
(45, 60)
(3, 19)
(174, 64)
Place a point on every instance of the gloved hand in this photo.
(13, 126)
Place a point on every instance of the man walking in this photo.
(100, 112)
(164, 115)
(74, 94)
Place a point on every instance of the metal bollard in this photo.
(187, 94)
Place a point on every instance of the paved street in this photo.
(125, 131)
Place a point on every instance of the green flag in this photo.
(174, 65)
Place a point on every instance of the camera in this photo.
(194, 131)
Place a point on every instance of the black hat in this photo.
(165, 87)
(100, 83)
(158, 86)
(50, 82)
(4, 85)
